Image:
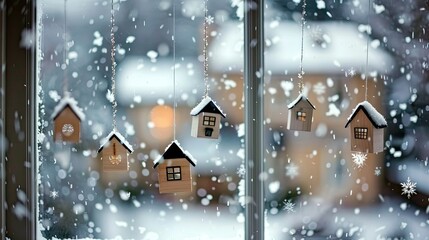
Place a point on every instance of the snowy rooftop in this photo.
(330, 47)
(174, 150)
(373, 115)
(67, 100)
(298, 99)
(121, 139)
(144, 81)
(207, 105)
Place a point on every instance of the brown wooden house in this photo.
(67, 117)
(174, 170)
(300, 114)
(206, 119)
(366, 129)
(115, 152)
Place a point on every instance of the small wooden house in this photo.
(67, 117)
(366, 128)
(174, 170)
(115, 152)
(300, 114)
(206, 119)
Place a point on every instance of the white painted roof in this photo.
(188, 155)
(345, 49)
(299, 98)
(67, 100)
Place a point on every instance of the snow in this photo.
(376, 118)
(345, 50)
(191, 159)
(67, 100)
(200, 106)
(298, 99)
(121, 139)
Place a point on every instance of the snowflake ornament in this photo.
(209, 20)
(408, 188)
(350, 72)
(241, 171)
(377, 171)
(288, 206)
(292, 170)
(359, 159)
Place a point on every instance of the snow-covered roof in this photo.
(173, 151)
(141, 81)
(207, 105)
(119, 137)
(298, 99)
(373, 115)
(343, 49)
(68, 101)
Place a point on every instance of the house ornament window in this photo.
(361, 133)
(174, 173)
(301, 116)
(209, 121)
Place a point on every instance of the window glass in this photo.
(316, 187)
(77, 199)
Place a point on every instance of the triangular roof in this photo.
(207, 105)
(175, 151)
(68, 101)
(300, 98)
(119, 137)
(372, 114)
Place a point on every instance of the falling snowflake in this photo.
(350, 72)
(291, 170)
(319, 88)
(408, 188)
(377, 171)
(359, 159)
(209, 20)
(241, 171)
(288, 205)
(53, 194)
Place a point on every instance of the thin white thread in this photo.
(174, 69)
(65, 52)
(112, 57)
(367, 51)
(301, 74)
(205, 53)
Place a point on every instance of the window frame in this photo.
(18, 102)
(301, 116)
(211, 121)
(360, 133)
(174, 173)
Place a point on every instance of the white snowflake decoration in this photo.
(53, 194)
(288, 205)
(292, 170)
(408, 188)
(351, 72)
(359, 159)
(209, 20)
(241, 171)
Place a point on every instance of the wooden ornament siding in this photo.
(198, 129)
(177, 186)
(378, 142)
(362, 145)
(67, 117)
(293, 123)
(108, 151)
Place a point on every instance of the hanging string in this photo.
(205, 53)
(65, 52)
(367, 50)
(301, 74)
(173, 38)
(112, 57)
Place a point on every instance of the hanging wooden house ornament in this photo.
(300, 114)
(67, 117)
(366, 128)
(174, 169)
(114, 152)
(206, 118)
